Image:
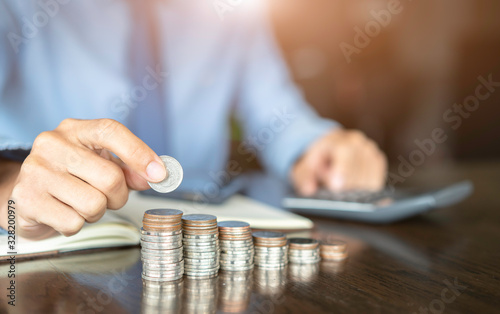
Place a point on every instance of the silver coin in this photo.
(237, 262)
(236, 256)
(174, 278)
(233, 253)
(173, 179)
(160, 262)
(201, 273)
(271, 249)
(201, 236)
(201, 249)
(153, 275)
(165, 266)
(200, 255)
(280, 255)
(198, 219)
(164, 211)
(305, 262)
(235, 243)
(162, 259)
(161, 245)
(206, 262)
(161, 239)
(200, 243)
(233, 224)
(271, 266)
(268, 235)
(162, 251)
(302, 252)
(303, 257)
(201, 267)
(239, 258)
(160, 234)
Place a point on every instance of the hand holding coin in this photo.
(174, 176)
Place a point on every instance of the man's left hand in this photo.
(341, 160)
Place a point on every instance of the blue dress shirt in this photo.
(72, 59)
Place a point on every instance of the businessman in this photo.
(92, 91)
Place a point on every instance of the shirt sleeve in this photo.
(10, 148)
(278, 123)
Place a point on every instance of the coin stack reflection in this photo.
(235, 288)
(334, 250)
(271, 249)
(161, 242)
(303, 272)
(201, 246)
(270, 281)
(303, 251)
(236, 244)
(161, 297)
(200, 295)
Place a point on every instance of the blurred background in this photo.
(397, 88)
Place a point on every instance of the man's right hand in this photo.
(71, 177)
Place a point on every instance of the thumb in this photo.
(134, 180)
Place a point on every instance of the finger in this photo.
(133, 180)
(336, 177)
(87, 201)
(103, 174)
(59, 216)
(379, 172)
(112, 135)
(360, 169)
(32, 230)
(305, 174)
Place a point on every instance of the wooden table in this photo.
(446, 261)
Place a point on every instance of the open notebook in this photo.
(121, 228)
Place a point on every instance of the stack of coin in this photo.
(303, 251)
(334, 250)
(236, 244)
(271, 249)
(201, 246)
(235, 290)
(161, 242)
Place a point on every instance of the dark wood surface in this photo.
(446, 261)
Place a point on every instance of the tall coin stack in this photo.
(303, 251)
(236, 244)
(161, 242)
(201, 246)
(271, 249)
(334, 250)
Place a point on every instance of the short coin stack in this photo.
(161, 242)
(271, 249)
(303, 251)
(201, 246)
(236, 244)
(334, 250)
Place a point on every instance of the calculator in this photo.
(386, 206)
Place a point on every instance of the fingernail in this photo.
(156, 172)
